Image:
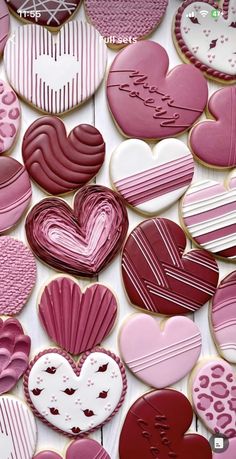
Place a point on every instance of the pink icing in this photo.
(10, 115)
(85, 448)
(220, 388)
(14, 352)
(229, 453)
(146, 101)
(17, 275)
(4, 25)
(160, 357)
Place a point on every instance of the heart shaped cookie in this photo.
(159, 353)
(213, 142)
(4, 25)
(155, 426)
(60, 164)
(53, 14)
(75, 320)
(75, 399)
(84, 448)
(209, 216)
(17, 275)
(18, 434)
(14, 353)
(214, 396)
(10, 115)
(151, 180)
(146, 101)
(223, 318)
(208, 40)
(64, 70)
(125, 22)
(80, 241)
(159, 277)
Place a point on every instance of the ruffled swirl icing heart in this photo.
(80, 241)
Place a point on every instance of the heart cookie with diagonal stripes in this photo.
(209, 216)
(159, 277)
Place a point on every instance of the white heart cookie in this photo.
(151, 180)
(55, 73)
(18, 433)
(75, 399)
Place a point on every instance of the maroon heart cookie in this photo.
(158, 277)
(60, 164)
(84, 448)
(81, 241)
(52, 13)
(155, 427)
(75, 320)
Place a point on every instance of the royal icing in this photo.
(60, 164)
(10, 115)
(125, 21)
(151, 180)
(63, 70)
(214, 142)
(4, 25)
(52, 13)
(209, 215)
(15, 192)
(155, 427)
(18, 434)
(14, 351)
(17, 275)
(75, 399)
(84, 448)
(223, 317)
(145, 100)
(77, 321)
(81, 241)
(214, 396)
(207, 39)
(159, 277)
(158, 353)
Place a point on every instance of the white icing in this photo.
(88, 387)
(200, 37)
(135, 156)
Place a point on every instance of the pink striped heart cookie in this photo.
(159, 353)
(209, 216)
(151, 180)
(214, 396)
(18, 433)
(62, 70)
(75, 399)
(223, 318)
(4, 25)
(84, 448)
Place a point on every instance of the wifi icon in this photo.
(204, 13)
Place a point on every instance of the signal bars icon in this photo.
(190, 15)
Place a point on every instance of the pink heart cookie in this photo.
(64, 70)
(146, 101)
(223, 318)
(75, 320)
(75, 399)
(209, 216)
(14, 353)
(213, 142)
(159, 353)
(4, 25)
(10, 115)
(214, 396)
(84, 448)
(17, 275)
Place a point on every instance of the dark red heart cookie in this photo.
(60, 164)
(158, 276)
(155, 427)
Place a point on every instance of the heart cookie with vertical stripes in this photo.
(159, 277)
(159, 353)
(59, 72)
(209, 216)
(18, 433)
(151, 180)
